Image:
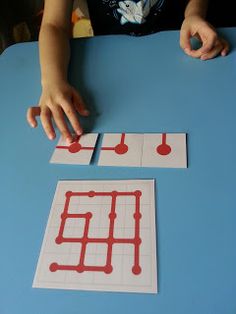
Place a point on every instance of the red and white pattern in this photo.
(144, 150)
(79, 152)
(100, 236)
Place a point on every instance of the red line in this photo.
(108, 148)
(164, 138)
(62, 147)
(122, 140)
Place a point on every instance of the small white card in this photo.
(121, 150)
(164, 150)
(100, 235)
(78, 153)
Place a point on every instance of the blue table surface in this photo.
(142, 84)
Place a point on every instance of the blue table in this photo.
(134, 85)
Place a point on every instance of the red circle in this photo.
(53, 267)
(163, 149)
(112, 216)
(136, 269)
(74, 147)
(108, 269)
(137, 215)
(89, 215)
(80, 269)
(138, 193)
(59, 240)
(121, 149)
(91, 193)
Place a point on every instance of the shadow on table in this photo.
(77, 77)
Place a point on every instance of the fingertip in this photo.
(203, 58)
(85, 112)
(33, 124)
(224, 52)
(51, 136)
(187, 50)
(79, 132)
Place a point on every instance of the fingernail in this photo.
(33, 125)
(51, 136)
(85, 111)
(69, 140)
(78, 132)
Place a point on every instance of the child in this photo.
(59, 99)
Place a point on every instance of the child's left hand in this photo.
(212, 44)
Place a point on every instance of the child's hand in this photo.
(56, 102)
(212, 44)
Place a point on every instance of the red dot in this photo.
(80, 269)
(108, 269)
(114, 193)
(53, 267)
(163, 149)
(89, 215)
(138, 193)
(137, 215)
(74, 147)
(91, 194)
(137, 241)
(112, 215)
(63, 216)
(121, 149)
(59, 240)
(136, 269)
(69, 193)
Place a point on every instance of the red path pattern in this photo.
(110, 240)
(75, 147)
(122, 148)
(163, 148)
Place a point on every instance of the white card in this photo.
(101, 236)
(121, 150)
(165, 150)
(79, 152)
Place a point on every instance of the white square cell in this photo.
(121, 150)
(110, 251)
(164, 150)
(78, 153)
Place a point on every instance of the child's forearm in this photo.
(196, 7)
(54, 53)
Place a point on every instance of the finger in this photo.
(71, 115)
(213, 53)
(225, 49)
(185, 40)
(79, 104)
(46, 119)
(31, 115)
(59, 119)
(208, 39)
(193, 53)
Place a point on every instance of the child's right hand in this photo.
(57, 101)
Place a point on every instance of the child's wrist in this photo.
(53, 81)
(194, 15)
(196, 8)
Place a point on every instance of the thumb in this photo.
(185, 40)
